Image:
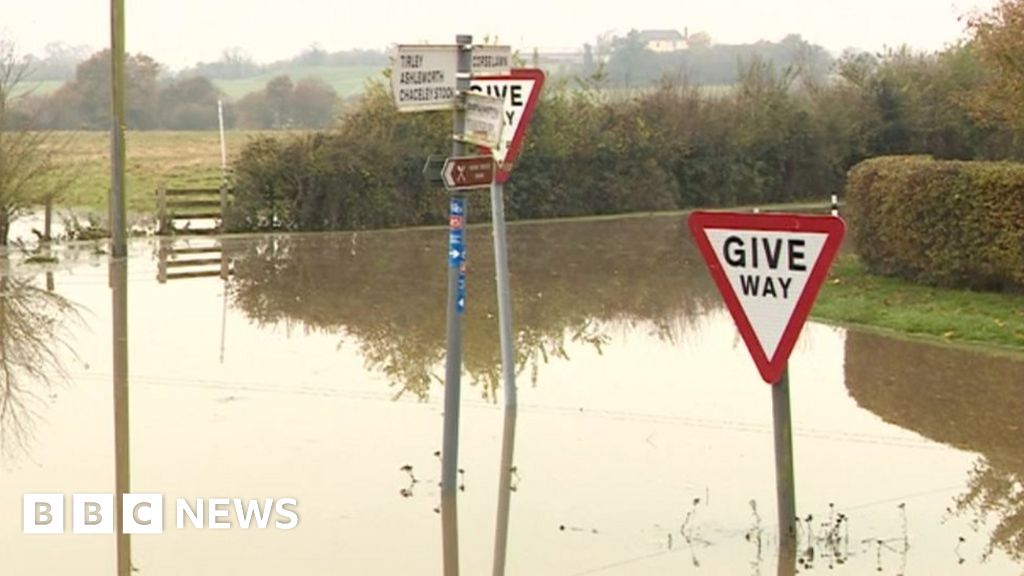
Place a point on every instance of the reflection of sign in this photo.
(464, 172)
(485, 119)
(520, 90)
(769, 268)
(423, 76)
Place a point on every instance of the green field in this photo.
(169, 159)
(37, 88)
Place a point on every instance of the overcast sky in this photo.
(182, 32)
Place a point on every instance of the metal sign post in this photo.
(508, 370)
(519, 93)
(785, 480)
(456, 306)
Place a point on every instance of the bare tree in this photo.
(31, 170)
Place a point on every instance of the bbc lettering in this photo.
(144, 513)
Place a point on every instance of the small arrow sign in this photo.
(769, 269)
(466, 172)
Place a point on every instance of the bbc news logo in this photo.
(144, 513)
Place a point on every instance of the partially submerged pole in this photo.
(508, 370)
(456, 304)
(785, 489)
(119, 286)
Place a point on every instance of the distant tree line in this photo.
(184, 101)
(625, 62)
(235, 63)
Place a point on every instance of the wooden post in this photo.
(223, 204)
(161, 211)
(161, 263)
(48, 220)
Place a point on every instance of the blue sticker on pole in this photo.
(460, 292)
(456, 248)
(458, 206)
(456, 237)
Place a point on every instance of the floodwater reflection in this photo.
(387, 290)
(964, 399)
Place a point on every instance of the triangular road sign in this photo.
(769, 268)
(521, 91)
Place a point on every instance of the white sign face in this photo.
(768, 272)
(515, 93)
(485, 120)
(423, 78)
(492, 60)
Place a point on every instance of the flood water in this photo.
(644, 436)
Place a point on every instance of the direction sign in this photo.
(465, 172)
(485, 120)
(490, 60)
(423, 76)
(520, 90)
(769, 268)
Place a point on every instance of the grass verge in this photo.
(854, 296)
(158, 158)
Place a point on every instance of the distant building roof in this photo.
(661, 36)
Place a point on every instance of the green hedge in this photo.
(956, 224)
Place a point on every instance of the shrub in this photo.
(949, 223)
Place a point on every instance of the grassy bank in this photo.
(171, 159)
(853, 296)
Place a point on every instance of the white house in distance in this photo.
(664, 40)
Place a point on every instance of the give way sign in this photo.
(769, 269)
(520, 90)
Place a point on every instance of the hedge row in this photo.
(947, 223)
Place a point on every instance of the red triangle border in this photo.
(771, 369)
(537, 76)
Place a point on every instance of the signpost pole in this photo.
(119, 284)
(508, 369)
(785, 489)
(456, 286)
(804, 249)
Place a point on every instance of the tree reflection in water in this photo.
(966, 399)
(34, 330)
(386, 292)
(995, 492)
